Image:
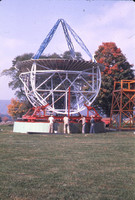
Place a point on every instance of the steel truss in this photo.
(51, 87)
(66, 29)
(123, 105)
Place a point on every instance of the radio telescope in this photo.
(64, 85)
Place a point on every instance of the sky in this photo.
(25, 24)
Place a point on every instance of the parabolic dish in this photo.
(61, 83)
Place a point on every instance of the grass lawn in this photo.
(67, 167)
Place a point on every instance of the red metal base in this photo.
(35, 114)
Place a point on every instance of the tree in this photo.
(67, 55)
(13, 73)
(17, 108)
(116, 68)
(54, 55)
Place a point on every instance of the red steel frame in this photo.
(36, 114)
(123, 104)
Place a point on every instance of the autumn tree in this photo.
(17, 108)
(116, 68)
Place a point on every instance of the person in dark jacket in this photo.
(92, 125)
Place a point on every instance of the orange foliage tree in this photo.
(17, 108)
(116, 68)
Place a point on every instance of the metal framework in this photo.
(66, 28)
(51, 86)
(38, 114)
(123, 105)
(64, 85)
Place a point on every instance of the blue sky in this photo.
(25, 24)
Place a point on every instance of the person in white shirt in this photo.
(51, 121)
(83, 119)
(66, 125)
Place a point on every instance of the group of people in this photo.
(66, 124)
(92, 124)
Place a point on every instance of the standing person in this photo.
(133, 114)
(92, 125)
(51, 121)
(83, 119)
(66, 125)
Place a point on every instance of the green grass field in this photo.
(67, 167)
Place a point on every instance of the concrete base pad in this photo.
(42, 127)
(25, 127)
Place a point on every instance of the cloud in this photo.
(112, 24)
(11, 43)
(118, 12)
(9, 47)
